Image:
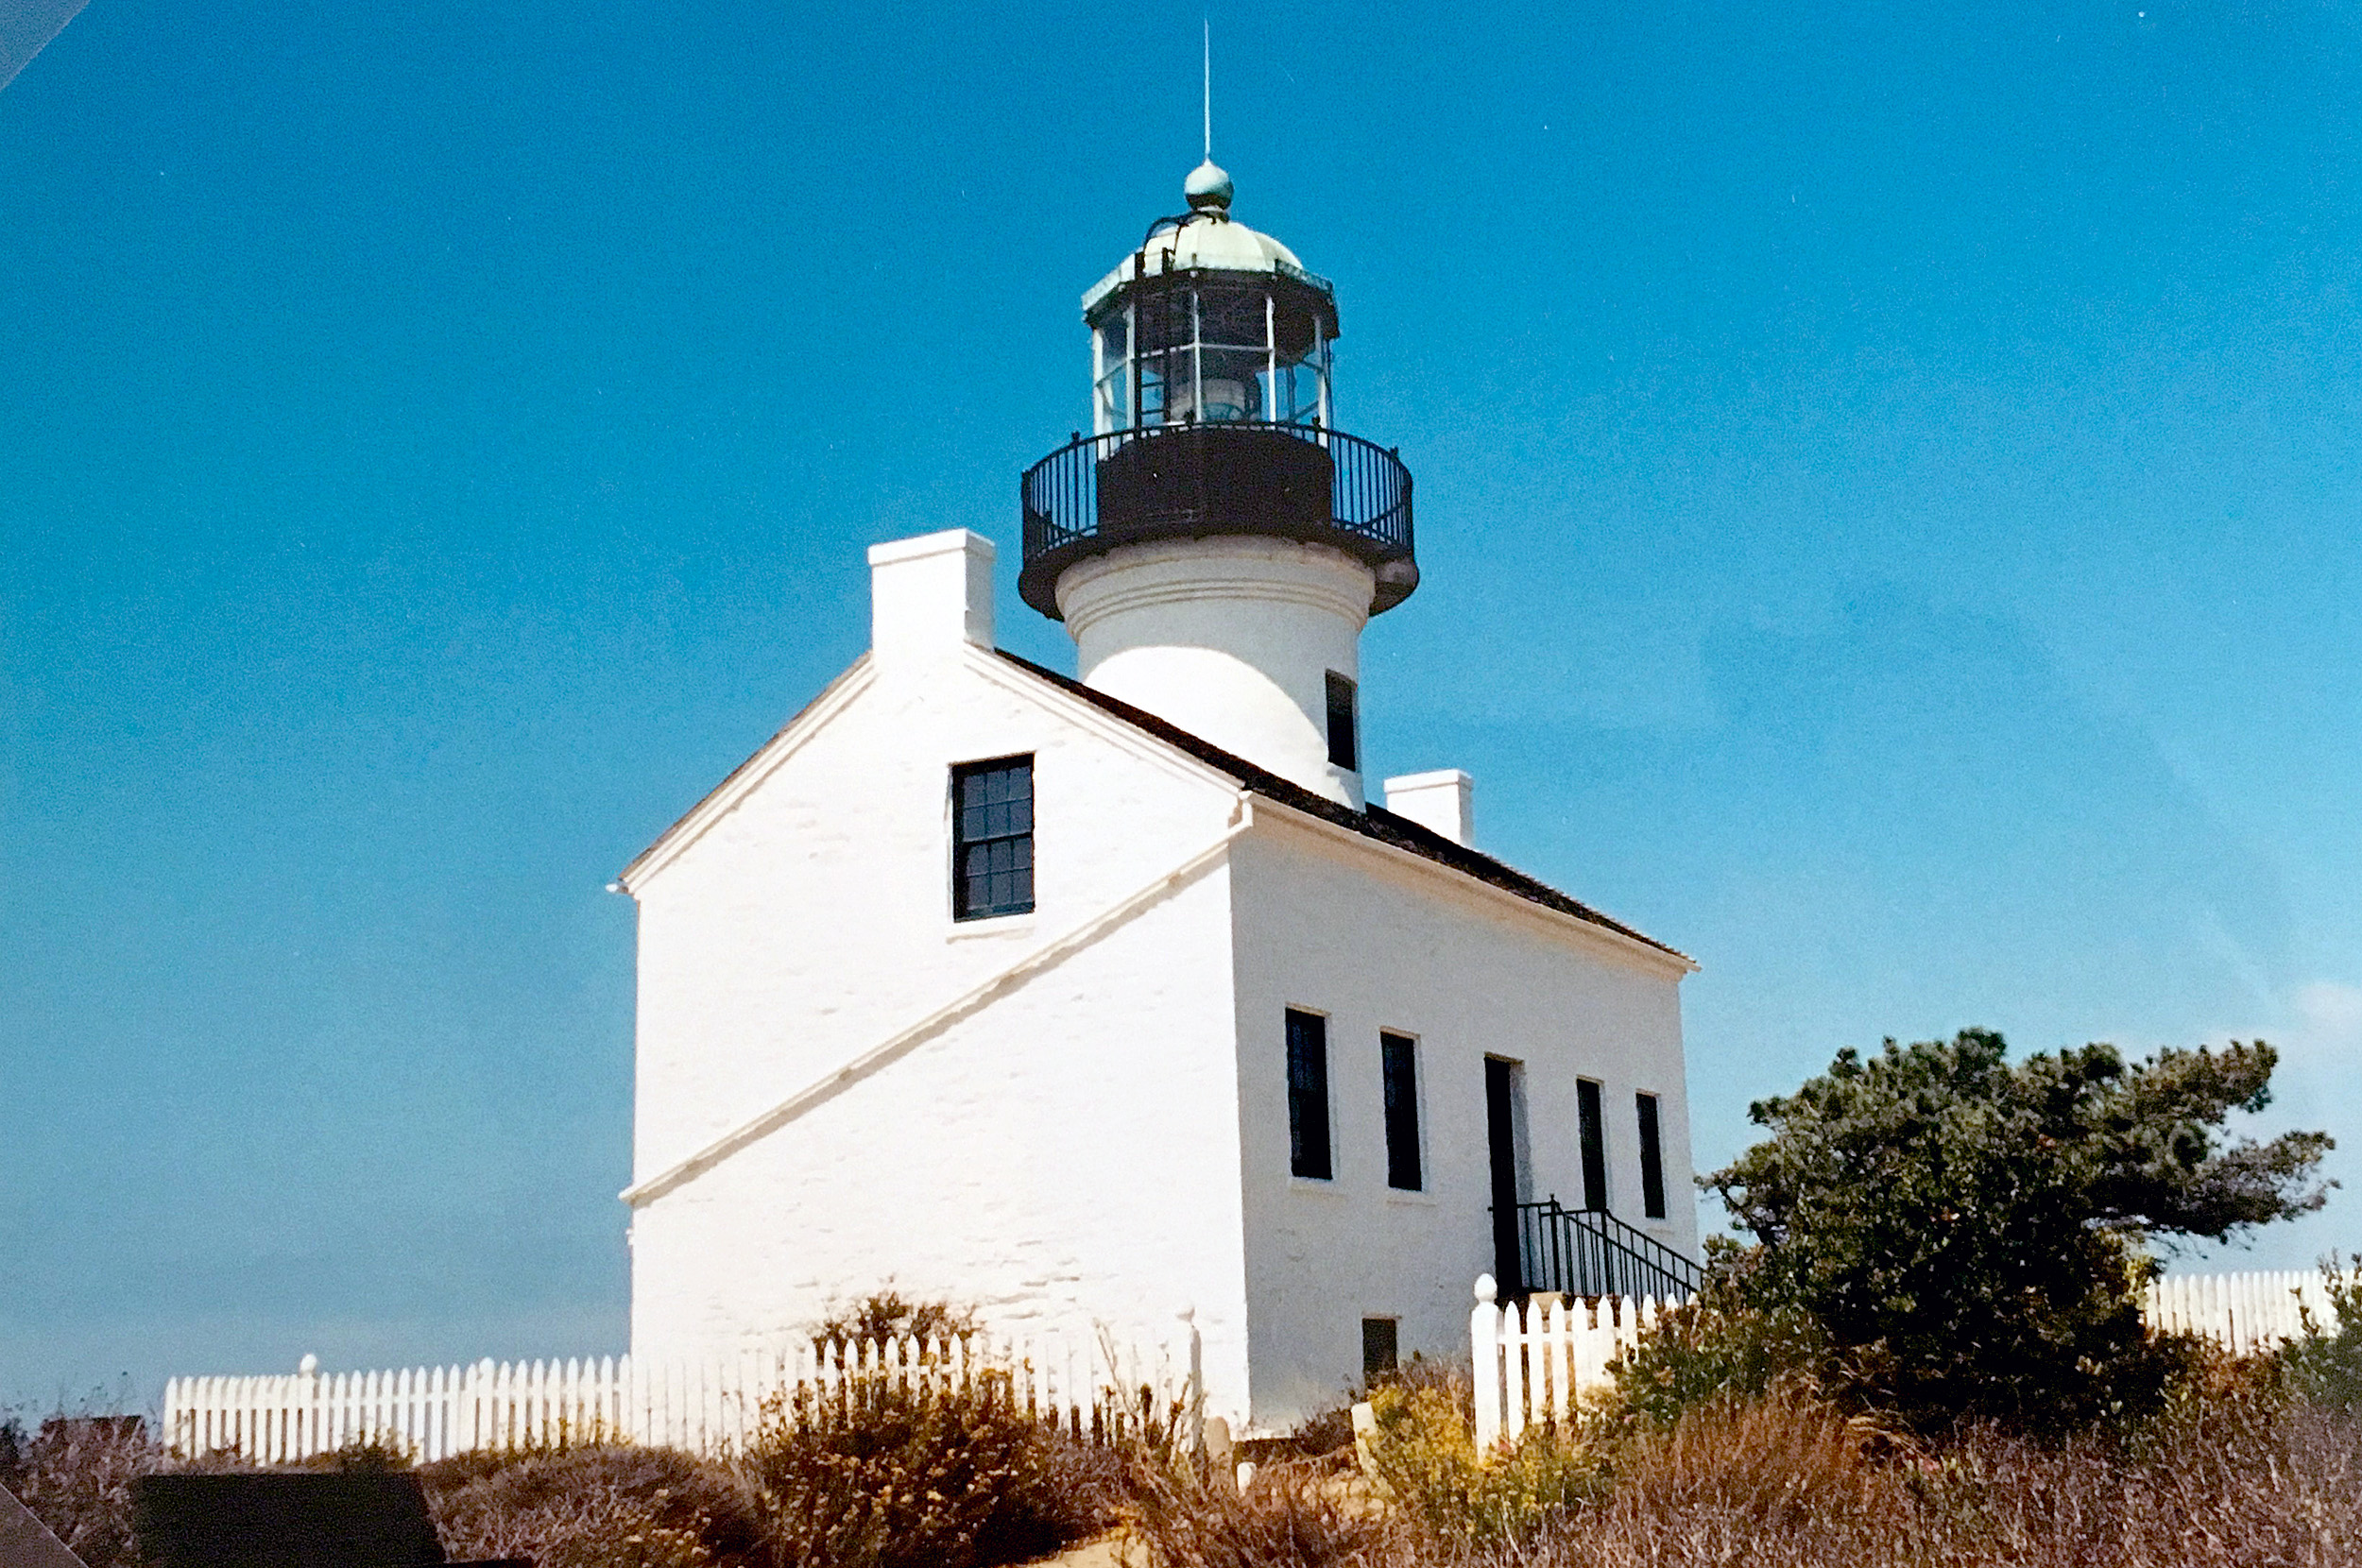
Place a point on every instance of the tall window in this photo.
(1652, 1160)
(1594, 1135)
(1345, 739)
(1398, 1064)
(992, 838)
(1308, 1094)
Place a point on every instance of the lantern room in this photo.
(1213, 412)
(1209, 320)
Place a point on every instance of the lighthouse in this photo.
(1215, 544)
(1112, 1005)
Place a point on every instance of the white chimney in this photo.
(1443, 801)
(927, 595)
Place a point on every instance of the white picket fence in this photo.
(1534, 1362)
(2247, 1312)
(1095, 1389)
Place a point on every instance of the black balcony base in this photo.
(1181, 482)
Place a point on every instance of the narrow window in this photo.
(1345, 741)
(1652, 1160)
(1398, 1064)
(1594, 1145)
(1381, 1356)
(1308, 1094)
(992, 838)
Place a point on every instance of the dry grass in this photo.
(2239, 1476)
(1296, 1515)
(1785, 1483)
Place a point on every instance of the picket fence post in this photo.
(1484, 1327)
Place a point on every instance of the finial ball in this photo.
(1208, 188)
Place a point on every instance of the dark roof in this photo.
(1376, 823)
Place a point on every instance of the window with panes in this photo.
(992, 838)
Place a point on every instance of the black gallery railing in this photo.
(1287, 481)
(1591, 1252)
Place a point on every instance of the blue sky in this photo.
(1887, 485)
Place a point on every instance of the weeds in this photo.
(76, 1473)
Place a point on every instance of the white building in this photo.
(1083, 1001)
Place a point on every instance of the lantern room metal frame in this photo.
(1211, 412)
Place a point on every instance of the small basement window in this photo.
(992, 838)
(1345, 726)
(1652, 1159)
(1308, 1096)
(1382, 1340)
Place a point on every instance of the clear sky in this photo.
(1888, 501)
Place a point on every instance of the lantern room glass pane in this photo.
(1299, 399)
(1231, 316)
(1165, 320)
(1113, 408)
(1231, 382)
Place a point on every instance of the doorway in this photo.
(1502, 1084)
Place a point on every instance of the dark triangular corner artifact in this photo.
(25, 1541)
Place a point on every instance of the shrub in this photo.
(597, 1506)
(1329, 1433)
(2324, 1365)
(1427, 1463)
(910, 1475)
(1967, 1234)
(887, 1315)
(1719, 1346)
(76, 1473)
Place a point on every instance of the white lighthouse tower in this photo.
(1215, 545)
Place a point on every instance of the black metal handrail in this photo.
(1215, 478)
(1591, 1252)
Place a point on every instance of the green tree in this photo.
(1972, 1236)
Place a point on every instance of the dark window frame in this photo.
(1381, 1348)
(992, 840)
(1344, 723)
(1591, 1133)
(1646, 1107)
(1311, 1152)
(1398, 1087)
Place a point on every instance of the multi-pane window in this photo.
(992, 838)
(1652, 1160)
(1344, 740)
(1594, 1135)
(1308, 1096)
(1398, 1067)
